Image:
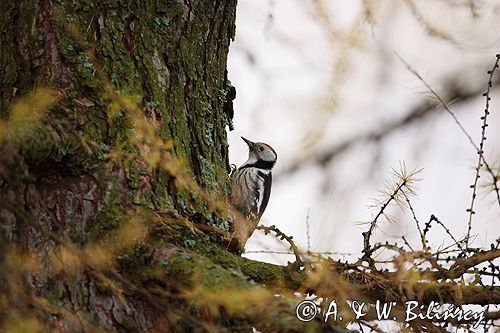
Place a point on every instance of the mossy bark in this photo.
(96, 237)
(170, 57)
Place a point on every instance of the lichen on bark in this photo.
(168, 58)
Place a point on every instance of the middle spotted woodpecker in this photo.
(251, 188)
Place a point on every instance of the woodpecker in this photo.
(251, 188)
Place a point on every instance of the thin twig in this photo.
(447, 109)
(422, 236)
(435, 219)
(281, 235)
(478, 149)
(291, 252)
(441, 101)
(480, 152)
(367, 234)
(407, 244)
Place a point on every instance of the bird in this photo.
(251, 189)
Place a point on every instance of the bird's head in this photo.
(260, 152)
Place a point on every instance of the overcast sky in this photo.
(312, 75)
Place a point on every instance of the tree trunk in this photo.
(63, 186)
(114, 177)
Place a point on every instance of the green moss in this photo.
(51, 147)
(171, 8)
(134, 173)
(178, 70)
(161, 24)
(162, 198)
(158, 50)
(176, 74)
(194, 268)
(21, 57)
(114, 196)
(134, 259)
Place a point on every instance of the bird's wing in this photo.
(264, 197)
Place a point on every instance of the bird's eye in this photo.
(261, 148)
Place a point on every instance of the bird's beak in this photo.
(249, 143)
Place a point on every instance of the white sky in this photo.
(309, 77)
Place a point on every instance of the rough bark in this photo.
(101, 230)
(170, 57)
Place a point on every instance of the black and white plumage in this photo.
(251, 186)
